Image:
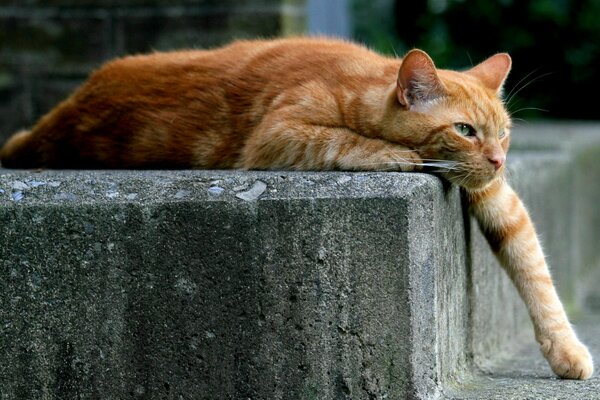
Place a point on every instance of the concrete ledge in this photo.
(162, 284)
(217, 284)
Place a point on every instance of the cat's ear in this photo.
(493, 71)
(418, 80)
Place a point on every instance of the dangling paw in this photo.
(568, 357)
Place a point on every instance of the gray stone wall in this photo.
(47, 47)
(277, 285)
(183, 285)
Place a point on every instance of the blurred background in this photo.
(47, 47)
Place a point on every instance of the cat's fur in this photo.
(314, 104)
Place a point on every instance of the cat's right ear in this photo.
(418, 80)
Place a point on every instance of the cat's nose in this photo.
(497, 161)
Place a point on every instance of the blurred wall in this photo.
(47, 47)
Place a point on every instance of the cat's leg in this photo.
(510, 232)
(290, 145)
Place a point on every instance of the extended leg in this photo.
(510, 232)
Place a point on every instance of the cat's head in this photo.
(458, 117)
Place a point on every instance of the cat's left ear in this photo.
(493, 71)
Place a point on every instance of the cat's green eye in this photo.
(501, 134)
(465, 129)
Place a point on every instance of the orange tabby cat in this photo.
(313, 104)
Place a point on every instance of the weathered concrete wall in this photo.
(159, 285)
(216, 284)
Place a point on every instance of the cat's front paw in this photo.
(394, 158)
(568, 358)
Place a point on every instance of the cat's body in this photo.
(312, 104)
(224, 109)
(197, 109)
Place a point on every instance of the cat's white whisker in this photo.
(527, 108)
(509, 96)
(513, 95)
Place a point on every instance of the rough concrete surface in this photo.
(197, 284)
(276, 285)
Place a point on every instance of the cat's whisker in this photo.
(465, 178)
(393, 48)
(519, 120)
(509, 94)
(507, 173)
(442, 168)
(516, 92)
(441, 161)
(528, 108)
(406, 162)
(388, 163)
(439, 165)
(458, 180)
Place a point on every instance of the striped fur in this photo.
(312, 104)
(506, 225)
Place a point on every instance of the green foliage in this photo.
(555, 44)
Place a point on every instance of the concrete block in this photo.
(228, 284)
(169, 285)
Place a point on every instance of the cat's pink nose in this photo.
(497, 161)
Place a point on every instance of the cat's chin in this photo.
(475, 184)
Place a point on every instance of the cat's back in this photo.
(193, 107)
(308, 58)
(245, 79)
(248, 72)
(295, 57)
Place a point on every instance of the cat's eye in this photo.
(465, 129)
(501, 134)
